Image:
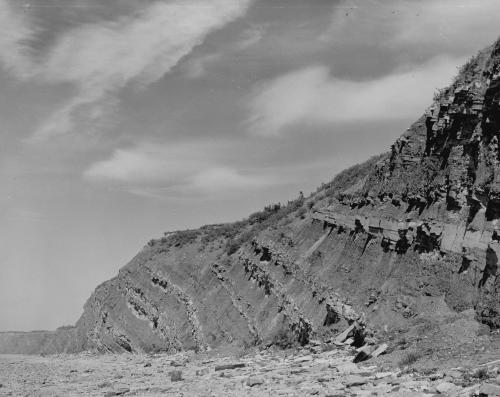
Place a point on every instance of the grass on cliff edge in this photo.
(237, 233)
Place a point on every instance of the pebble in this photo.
(201, 372)
(436, 376)
(254, 380)
(454, 374)
(175, 376)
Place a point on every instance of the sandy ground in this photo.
(267, 373)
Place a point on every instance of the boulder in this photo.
(380, 350)
(489, 389)
(446, 388)
(344, 335)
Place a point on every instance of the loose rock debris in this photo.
(297, 372)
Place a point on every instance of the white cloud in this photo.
(102, 58)
(224, 178)
(313, 95)
(148, 163)
(181, 169)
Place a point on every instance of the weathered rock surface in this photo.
(407, 241)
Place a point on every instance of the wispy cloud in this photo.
(16, 31)
(251, 36)
(150, 163)
(198, 66)
(161, 170)
(313, 95)
(25, 215)
(217, 179)
(102, 58)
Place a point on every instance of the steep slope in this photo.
(407, 239)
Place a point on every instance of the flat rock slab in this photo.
(303, 359)
(118, 392)
(355, 380)
(229, 366)
(489, 389)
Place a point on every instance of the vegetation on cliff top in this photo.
(235, 234)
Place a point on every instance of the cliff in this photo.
(407, 239)
(61, 340)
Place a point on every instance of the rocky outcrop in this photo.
(180, 299)
(438, 190)
(401, 239)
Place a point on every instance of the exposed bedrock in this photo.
(158, 303)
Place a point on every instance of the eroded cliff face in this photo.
(438, 192)
(409, 238)
(197, 297)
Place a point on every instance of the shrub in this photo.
(232, 246)
(350, 175)
(66, 327)
(262, 216)
(409, 359)
(183, 237)
(225, 231)
(481, 373)
(284, 339)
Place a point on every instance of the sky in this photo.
(123, 119)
